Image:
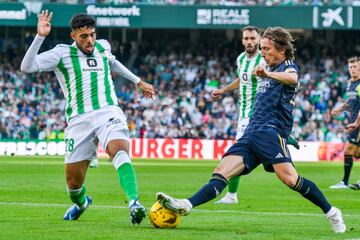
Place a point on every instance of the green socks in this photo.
(127, 180)
(78, 196)
(234, 184)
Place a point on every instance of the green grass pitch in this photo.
(33, 201)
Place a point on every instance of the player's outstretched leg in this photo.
(287, 173)
(231, 196)
(311, 192)
(82, 202)
(208, 192)
(128, 183)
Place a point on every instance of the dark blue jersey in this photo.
(274, 103)
(353, 99)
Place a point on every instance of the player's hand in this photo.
(351, 127)
(260, 71)
(335, 112)
(147, 89)
(217, 93)
(44, 25)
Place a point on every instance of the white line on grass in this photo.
(155, 162)
(194, 210)
(135, 163)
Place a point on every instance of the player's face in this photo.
(271, 55)
(85, 39)
(250, 40)
(354, 70)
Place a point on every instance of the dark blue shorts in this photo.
(262, 147)
(354, 137)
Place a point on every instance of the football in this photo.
(163, 218)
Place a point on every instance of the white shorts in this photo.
(242, 124)
(85, 131)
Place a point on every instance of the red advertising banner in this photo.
(197, 149)
(176, 148)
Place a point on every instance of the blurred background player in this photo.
(353, 105)
(264, 140)
(246, 82)
(351, 127)
(92, 112)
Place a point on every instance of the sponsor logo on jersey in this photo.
(91, 62)
(263, 85)
(113, 121)
(245, 77)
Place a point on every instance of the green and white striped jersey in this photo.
(248, 82)
(85, 80)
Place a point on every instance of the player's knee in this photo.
(349, 152)
(72, 183)
(120, 158)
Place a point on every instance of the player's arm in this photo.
(352, 126)
(289, 77)
(230, 87)
(32, 62)
(343, 107)
(147, 88)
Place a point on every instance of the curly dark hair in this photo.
(82, 20)
(282, 39)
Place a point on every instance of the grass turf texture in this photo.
(33, 201)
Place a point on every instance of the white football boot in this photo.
(336, 220)
(340, 185)
(229, 198)
(181, 206)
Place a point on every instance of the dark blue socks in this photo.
(210, 191)
(348, 163)
(311, 192)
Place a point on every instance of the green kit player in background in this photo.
(84, 70)
(246, 83)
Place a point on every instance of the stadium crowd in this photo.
(32, 105)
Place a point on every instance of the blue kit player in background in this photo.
(264, 140)
(353, 106)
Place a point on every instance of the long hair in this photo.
(282, 39)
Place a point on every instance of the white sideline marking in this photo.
(194, 210)
(186, 163)
(162, 163)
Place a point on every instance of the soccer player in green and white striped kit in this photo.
(92, 112)
(246, 83)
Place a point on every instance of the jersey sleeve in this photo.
(48, 61)
(291, 67)
(106, 45)
(115, 65)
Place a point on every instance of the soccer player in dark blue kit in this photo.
(353, 106)
(264, 140)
